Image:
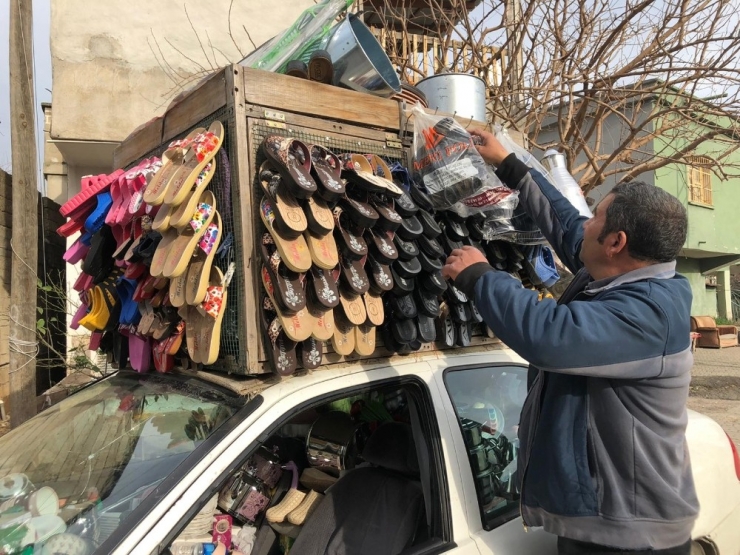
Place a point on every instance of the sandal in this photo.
(203, 148)
(201, 263)
(352, 246)
(323, 289)
(357, 170)
(290, 296)
(324, 325)
(294, 252)
(323, 250)
(183, 247)
(343, 340)
(320, 67)
(162, 252)
(427, 330)
(289, 216)
(319, 216)
(180, 216)
(326, 169)
(280, 349)
(298, 326)
(360, 213)
(354, 279)
(382, 171)
(292, 159)
(364, 340)
(171, 161)
(380, 274)
(381, 246)
(213, 308)
(374, 308)
(310, 353)
(353, 309)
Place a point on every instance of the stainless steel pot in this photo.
(331, 445)
(456, 93)
(360, 63)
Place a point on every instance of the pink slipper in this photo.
(95, 340)
(75, 324)
(76, 252)
(83, 283)
(116, 195)
(139, 352)
(90, 186)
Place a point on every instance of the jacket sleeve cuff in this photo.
(512, 171)
(466, 280)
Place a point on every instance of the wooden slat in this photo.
(425, 56)
(300, 96)
(199, 103)
(141, 141)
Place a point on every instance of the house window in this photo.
(700, 179)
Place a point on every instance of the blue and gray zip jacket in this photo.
(603, 455)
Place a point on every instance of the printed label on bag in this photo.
(445, 177)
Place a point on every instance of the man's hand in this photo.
(492, 151)
(460, 259)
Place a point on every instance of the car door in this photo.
(481, 396)
(278, 404)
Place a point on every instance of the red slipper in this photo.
(90, 187)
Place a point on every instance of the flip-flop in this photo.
(353, 277)
(76, 252)
(381, 279)
(323, 288)
(161, 253)
(406, 249)
(177, 291)
(294, 252)
(353, 309)
(361, 213)
(99, 260)
(427, 330)
(326, 168)
(351, 245)
(402, 307)
(426, 302)
(147, 318)
(83, 282)
(200, 265)
(213, 307)
(401, 285)
(203, 149)
(161, 222)
(289, 294)
(374, 309)
(81, 311)
(320, 67)
(183, 247)
(180, 215)
(382, 171)
(406, 206)
(310, 353)
(130, 314)
(298, 326)
(281, 350)
(364, 340)
(172, 160)
(343, 339)
(96, 219)
(292, 159)
(289, 216)
(323, 250)
(445, 328)
(389, 219)
(139, 352)
(381, 246)
(357, 170)
(319, 216)
(323, 328)
(116, 194)
(90, 186)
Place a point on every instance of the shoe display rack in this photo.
(253, 105)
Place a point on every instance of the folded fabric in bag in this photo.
(542, 263)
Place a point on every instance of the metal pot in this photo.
(360, 63)
(331, 444)
(462, 94)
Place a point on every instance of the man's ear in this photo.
(615, 243)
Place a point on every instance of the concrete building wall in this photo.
(116, 65)
(705, 298)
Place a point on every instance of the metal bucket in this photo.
(360, 63)
(456, 93)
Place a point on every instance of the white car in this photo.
(420, 450)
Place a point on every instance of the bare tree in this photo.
(621, 87)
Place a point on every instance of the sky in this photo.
(42, 82)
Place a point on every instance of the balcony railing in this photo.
(418, 56)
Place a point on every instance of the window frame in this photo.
(441, 521)
(515, 510)
(699, 179)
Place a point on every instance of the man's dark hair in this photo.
(654, 221)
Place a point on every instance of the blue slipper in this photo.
(96, 219)
(130, 314)
(544, 265)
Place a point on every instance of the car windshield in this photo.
(70, 475)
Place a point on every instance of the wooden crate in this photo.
(251, 104)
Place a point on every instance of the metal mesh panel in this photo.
(232, 353)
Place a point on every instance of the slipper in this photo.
(406, 249)
(82, 310)
(464, 335)
(280, 349)
(96, 219)
(401, 285)
(320, 67)
(83, 282)
(213, 307)
(323, 250)
(292, 159)
(326, 168)
(177, 291)
(420, 198)
(164, 351)
(389, 219)
(90, 186)
(139, 352)
(408, 268)
(104, 299)
(76, 252)
(445, 328)
(374, 309)
(162, 220)
(323, 328)
(352, 246)
(319, 216)
(130, 314)
(404, 331)
(405, 206)
(382, 171)
(137, 207)
(353, 309)
(117, 199)
(381, 246)
(360, 213)
(288, 294)
(298, 326)
(354, 277)
(426, 302)
(297, 68)
(431, 247)
(323, 289)
(410, 228)
(402, 307)
(133, 195)
(427, 330)
(201, 263)
(430, 227)
(172, 159)
(294, 252)
(147, 318)
(99, 260)
(202, 149)
(364, 340)
(429, 264)
(144, 250)
(357, 170)
(161, 253)
(343, 340)
(182, 248)
(310, 354)
(134, 271)
(433, 282)
(71, 227)
(290, 217)
(475, 315)
(380, 274)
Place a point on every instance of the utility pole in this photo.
(24, 243)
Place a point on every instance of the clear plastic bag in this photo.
(450, 168)
(300, 39)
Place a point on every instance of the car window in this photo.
(280, 487)
(73, 473)
(488, 402)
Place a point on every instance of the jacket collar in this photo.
(663, 270)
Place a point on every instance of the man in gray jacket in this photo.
(603, 461)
